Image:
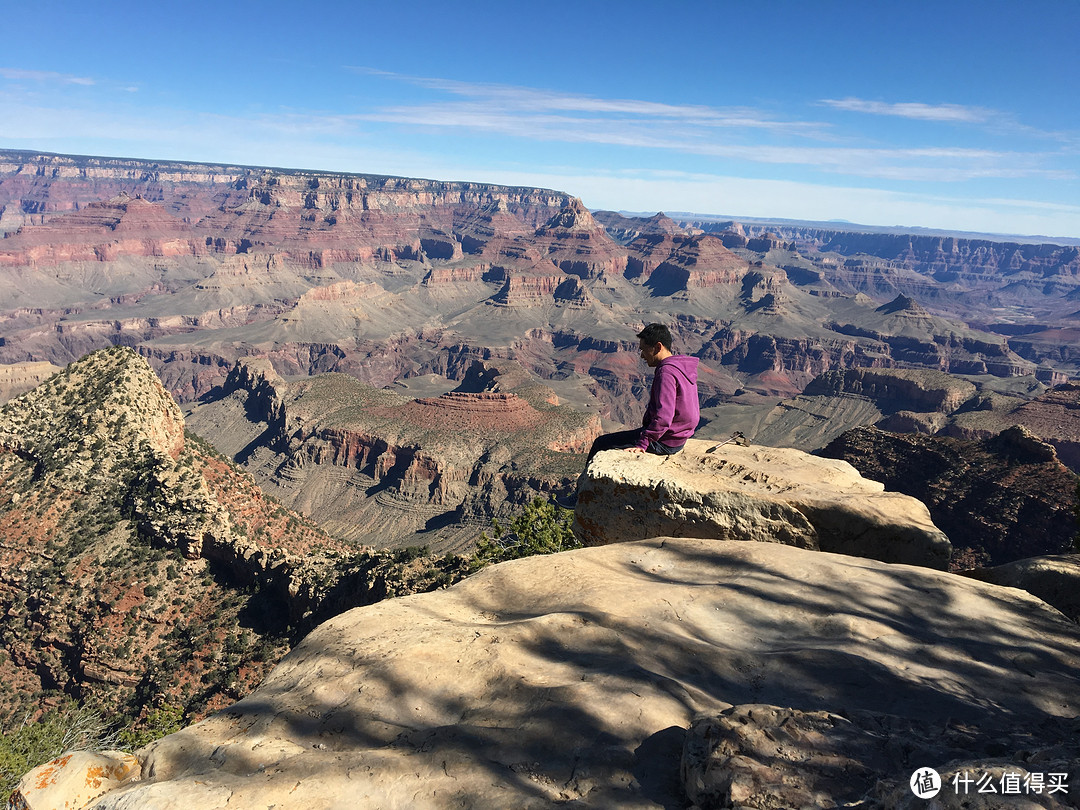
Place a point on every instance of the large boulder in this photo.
(1055, 579)
(73, 780)
(572, 679)
(768, 494)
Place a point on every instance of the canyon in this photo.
(243, 401)
(386, 279)
(442, 307)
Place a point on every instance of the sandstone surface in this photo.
(573, 678)
(760, 756)
(1054, 579)
(772, 495)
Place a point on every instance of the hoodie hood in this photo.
(683, 363)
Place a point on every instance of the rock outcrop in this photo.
(760, 756)
(1055, 418)
(574, 677)
(1054, 579)
(625, 229)
(772, 495)
(902, 400)
(999, 499)
(919, 390)
(74, 780)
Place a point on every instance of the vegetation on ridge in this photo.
(541, 528)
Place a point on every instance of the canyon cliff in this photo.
(1026, 291)
(197, 266)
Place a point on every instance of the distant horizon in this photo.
(955, 116)
(673, 214)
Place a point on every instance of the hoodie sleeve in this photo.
(661, 410)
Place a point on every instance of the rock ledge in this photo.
(768, 494)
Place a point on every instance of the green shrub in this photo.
(65, 728)
(542, 528)
(159, 722)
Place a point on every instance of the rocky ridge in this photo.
(139, 567)
(1053, 415)
(999, 499)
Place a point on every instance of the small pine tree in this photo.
(542, 528)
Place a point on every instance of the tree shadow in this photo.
(531, 676)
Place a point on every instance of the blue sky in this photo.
(959, 115)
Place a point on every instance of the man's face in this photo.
(649, 353)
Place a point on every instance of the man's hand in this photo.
(634, 450)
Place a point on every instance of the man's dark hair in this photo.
(656, 333)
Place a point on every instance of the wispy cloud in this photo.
(501, 98)
(728, 133)
(954, 113)
(993, 121)
(18, 74)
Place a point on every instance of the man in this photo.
(673, 411)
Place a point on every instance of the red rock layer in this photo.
(468, 413)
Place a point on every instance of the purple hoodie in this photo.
(673, 412)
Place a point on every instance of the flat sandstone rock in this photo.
(1054, 578)
(573, 678)
(768, 494)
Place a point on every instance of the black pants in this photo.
(628, 438)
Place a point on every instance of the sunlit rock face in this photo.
(575, 677)
(767, 494)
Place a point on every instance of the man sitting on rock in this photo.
(673, 411)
